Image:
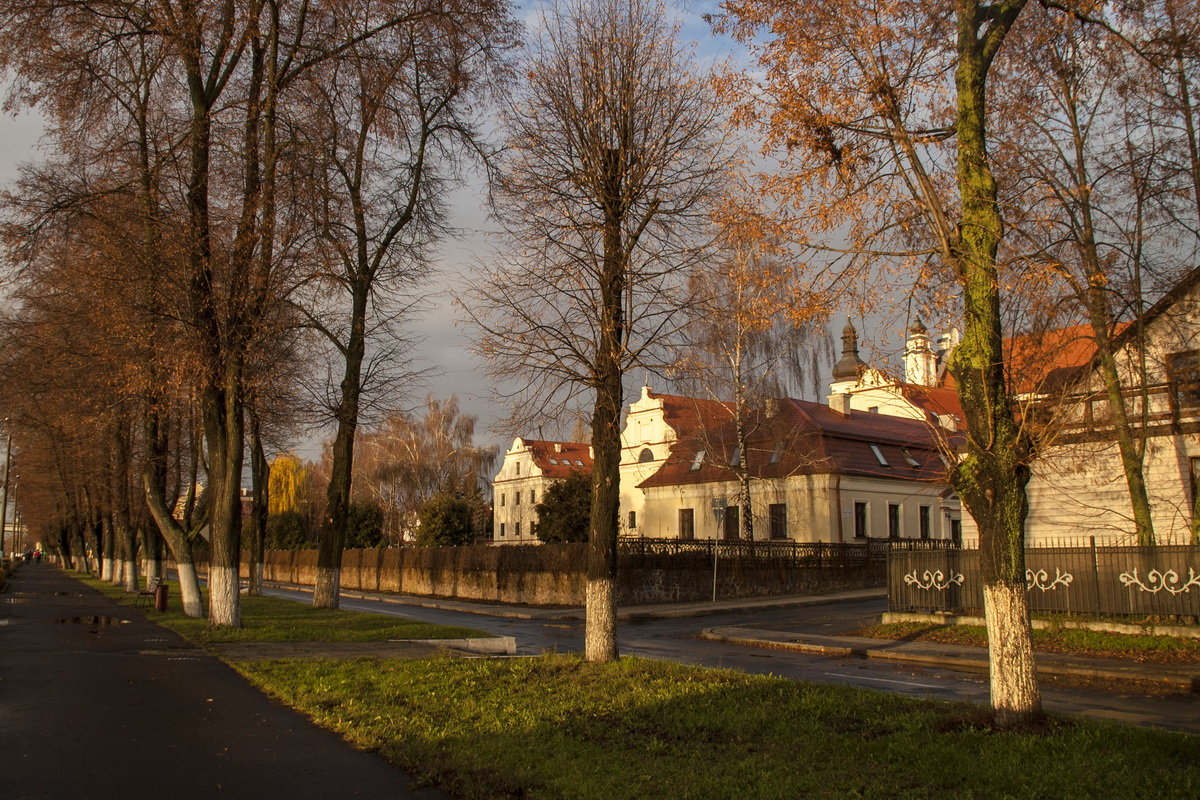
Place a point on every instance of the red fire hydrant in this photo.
(160, 597)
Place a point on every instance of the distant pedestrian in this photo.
(37, 555)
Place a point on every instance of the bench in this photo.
(148, 593)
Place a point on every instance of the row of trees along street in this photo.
(228, 238)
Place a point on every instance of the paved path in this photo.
(97, 703)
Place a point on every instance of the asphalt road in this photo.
(674, 640)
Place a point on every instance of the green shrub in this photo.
(289, 530)
(566, 510)
(445, 519)
(364, 526)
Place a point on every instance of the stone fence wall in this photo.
(553, 574)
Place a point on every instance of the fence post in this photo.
(1095, 575)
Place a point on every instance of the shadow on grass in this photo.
(556, 727)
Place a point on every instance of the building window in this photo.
(923, 517)
(518, 467)
(731, 522)
(777, 515)
(502, 529)
(646, 456)
(533, 495)
(883, 462)
(1183, 371)
(517, 498)
(860, 521)
(502, 501)
(517, 529)
(893, 521)
(697, 460)
(777, 452)
(687, 523)
(632, 520)
(912, 462)
(736, 459)
(956, 531)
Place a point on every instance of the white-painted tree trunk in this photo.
(327, 587)
(129, 575)
(1015, 696)
(106, 569)
(189, 590)
(600, 642)
(224, 606)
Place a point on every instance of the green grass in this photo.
(556, 727)
(1159, 649)
(271, 619)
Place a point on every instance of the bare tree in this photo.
(614, 152)
(387, 124)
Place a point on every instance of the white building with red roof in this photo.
(529, 468)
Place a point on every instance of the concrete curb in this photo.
(1181, 631)
(890, 650)
(489, 645)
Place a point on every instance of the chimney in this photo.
(558, 447)
(591, 452)
(948, 421)
(840, 402)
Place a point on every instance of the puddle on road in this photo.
(102, 622)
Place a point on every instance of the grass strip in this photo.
(1073, 641)
(273, 619)
(556, 727)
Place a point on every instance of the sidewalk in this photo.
(971, 659)
(97, 703)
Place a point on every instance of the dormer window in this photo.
(883, 462)
(736, 459)
(777, 453)
(697, 460)
(646, 456)
(578, 463)
(912, 462)
(554, 461)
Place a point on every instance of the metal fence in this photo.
(806, 554)
(1096, 579)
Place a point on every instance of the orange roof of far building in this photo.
(1043, 360)
(559, 459)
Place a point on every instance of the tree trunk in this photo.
(106, 553)
(991, 478)
(600, 627)
(260, 477)
(224, 436)
(154, 483)
(327, 589)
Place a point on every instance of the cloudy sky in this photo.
(446, 345)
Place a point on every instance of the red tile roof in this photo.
(573, 457)
(1046, 360)
(810, 438)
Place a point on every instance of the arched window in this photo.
(645, 455)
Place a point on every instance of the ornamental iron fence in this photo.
(1092, 580)
(806, 554)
